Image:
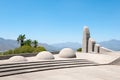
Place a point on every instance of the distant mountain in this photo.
(48, 47)
(6, 44)
(73, 45)
(111, 44)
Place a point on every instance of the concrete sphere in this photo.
(67, 53)
(17, 59)
(45, 55)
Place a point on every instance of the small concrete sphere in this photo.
(67, 53)
(17, 59)
(45, 55)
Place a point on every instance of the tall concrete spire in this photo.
(86, 36)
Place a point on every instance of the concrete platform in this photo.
(108, 72)
(101, 72)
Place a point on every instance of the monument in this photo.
(89, 45)
(86, 36)
(97, 48)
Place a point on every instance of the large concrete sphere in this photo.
(45, 55)
(67, 53)
(17, 59)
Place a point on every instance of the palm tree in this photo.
(35, 43)
(28, 42)
(21, 39)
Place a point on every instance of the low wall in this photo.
(22, 54)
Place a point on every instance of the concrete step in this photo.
(33, 68)
(40, 63)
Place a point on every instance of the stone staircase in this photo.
(27, 67)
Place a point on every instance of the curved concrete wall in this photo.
(104, 50)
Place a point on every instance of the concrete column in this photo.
(86, 36)
(91, 45)
(97, 48)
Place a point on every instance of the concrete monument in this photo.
(86, 36)
(97, 48)
(91, 44)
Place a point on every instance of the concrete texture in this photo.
(108, 72)
(28, 67)
(104, 58)
(45, 55)
(67, 53)
(104, 50)
(97, 48)
(91, 45)
(111, 72)
(117, 60)
(86, 36)
(17, 59)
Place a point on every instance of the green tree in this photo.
(21, 39)
(28, 42)
(79, 49)
(35, 43)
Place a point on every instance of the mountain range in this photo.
(111, 44)
(6, 44)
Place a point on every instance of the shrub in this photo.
(79, 49)
(9, 52)
(25, 49)
(39, 49)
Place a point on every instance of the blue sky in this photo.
(55, 21)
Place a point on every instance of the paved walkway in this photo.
(107, 72)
